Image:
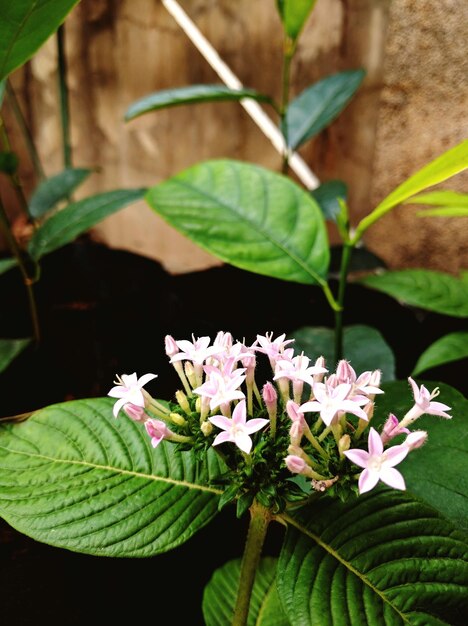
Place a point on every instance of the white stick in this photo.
(270, 130)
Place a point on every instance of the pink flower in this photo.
(329, 401)
(295, 464)
(378, 464)
(197, 350)
(157, 430)
(423, 404)
(129, 390)
(221, 389)
(391, 429)
(273, 348)
(416, 439)
(237, 429)
(297, 369)
(134, 412)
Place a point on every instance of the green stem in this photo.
(63, 93)
(28, 139)
(260, 517)
(345, 260)
(289, 49)
(28, 282)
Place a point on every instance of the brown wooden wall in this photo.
(411, 107)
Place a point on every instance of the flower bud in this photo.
(170, 346)
(319, 363)
(344, 372)
(177, 419)
(416, 439)
(391, 429)
(206, 428)
(157, 430)
(182, 401)
(134, 412)
(190, 373)
(295, 464)
(343, 444)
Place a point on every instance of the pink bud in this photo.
(296, 432)
(157, 430)
(320, 363)
(295, 464)
(134, 412)
(344, 372)
(391, 429)
(170, 345)
(375, 378)
(416, 439)
(292, 409)
(270, 396)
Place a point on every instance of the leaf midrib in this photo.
(252, 224)
(117, 470)
(290, 520)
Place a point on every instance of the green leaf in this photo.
(327, 195)
(7, 264)
(317, 106)
(451, 347)
(437, 472)
(77, 217)
(248, 216)
(445, 211)
(219, 597)
(8, 162)
(449, 203)
(59, 187)
(426, 289)
(75, 477)
(383, 558)
(193, 94)
(446, 165)
(3, 84)
(25, 26)
(10, 349)
(294, 14)
(363, 346)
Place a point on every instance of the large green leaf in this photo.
(448, 203)
(10, 349)
(363, 346)
(77, 217)
(437, 472)
(59, 187)
(75, 477)
(220, 596)
(451, 347)
(318, 105)
(192, 94)
(383, 558)
(247, 216)
(294, 14)
(446, 165)
(24, 27)
(426, 289)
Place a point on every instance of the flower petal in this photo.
(368, 480)
(143, 380)
(395, 455)
(392, 477)
(253, 425)
(118, 405)
(359, 457)
(239, 415)
(118, 392)
(375, 443)
(222, 437)
(221, 421)
(243, 441)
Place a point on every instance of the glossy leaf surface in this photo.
(363, 346)
(192, 94)
(318, 105)
(426, 289)
(219, 597)
(24, 27)
(73, 476)
(50, 191)
(10, 349)
(382, 558)
(77, 217)
(248, 216)
(451, 347)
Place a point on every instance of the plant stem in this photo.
(345, 260)
(260, 517)
(63, 93)
(28, 139)
(15, 181)
(289, 48)
(28, 282)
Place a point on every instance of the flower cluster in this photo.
(300, 432)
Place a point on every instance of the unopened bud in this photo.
(182, 401)
(295, 464)
(320, 363)
(344, 372)
(206, 428)
(190, 373)
(198, 404)
(344, 443)
(177, 419)
(391, 429)
(269, 394)
(134, 412)
(416, 439)
(170, 346)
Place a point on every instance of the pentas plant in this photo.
(301, 432)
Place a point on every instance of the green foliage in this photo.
(443, 167)
(435, 473)
(192, 94)
(363, 346)
(448, 203)
(247, 216)
(317, 106)
(384, 559)
(10, 349)
(25, 26)
(7, 264)
(74, 477)
(425, 289)
(451, 347)
(327, 196)
(219, 597)
(77, 217)
(8, 162)
(54, 189)
(294, 14)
